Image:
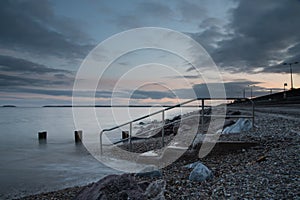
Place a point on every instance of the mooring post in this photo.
(130, 134)
(202, 116)
(163, 129)
(125, 135)
(42, 135)
(253, 115)
(78, 136)
(101, 149)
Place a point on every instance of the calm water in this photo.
(27, 167)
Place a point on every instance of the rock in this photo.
(200, 173)
(143, 185)
(113, 187)
(149, 171)
(232, 113)
(239, 126)
(176, 118)
(198, 141)
(156, 190)
(228, 123)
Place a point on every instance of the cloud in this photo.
(142, 94)
(12, 64)
(283, 68)
(233, 89)
(146, 13)
(263, 31)
(17, 73)
(185, 76)
(32, 26)
(58, 92)
(260, 34)
(191, 11)
(156, 9)
(12, 82)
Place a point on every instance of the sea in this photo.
(29, 166)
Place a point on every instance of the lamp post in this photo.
(251, 90)
(284, 93)
(291, 71)
(285, 84)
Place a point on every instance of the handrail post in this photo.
(202, 116)
(163, 129)
(253, 111)
(130, 134)
(101, 151)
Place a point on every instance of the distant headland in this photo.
(9, 106)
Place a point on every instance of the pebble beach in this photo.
(269, 170)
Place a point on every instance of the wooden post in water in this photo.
(78, 136)
(125, 135)
(42, 135)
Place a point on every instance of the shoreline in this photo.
(236, 174)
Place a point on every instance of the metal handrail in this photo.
(163, 117)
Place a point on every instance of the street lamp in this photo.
(284, 93)
(291, 71)
(284, 85)
(251, 92)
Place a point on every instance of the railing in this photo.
(172, 107)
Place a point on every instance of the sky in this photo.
(43, 44)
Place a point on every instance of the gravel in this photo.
(270, 170)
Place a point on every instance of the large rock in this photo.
(156, 190)
(112, 187)
(239, 126)
(122, 187)
(200, 173)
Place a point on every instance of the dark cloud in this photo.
(233, 89)
(281, 68)
(33, 27)
(12, 64)
(185, 76)
(263, 30)
(57, 92)
(18, 82)
(191, 11)
(51, 92)
(128, 21)
(148, 13)
(259, 34)
(209, 37)
(61, 76)
(156, 9)
(142, 94)
(17, 74)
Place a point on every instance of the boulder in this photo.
(112, 187)
(232, 113)
(200, 173)
(239, 126)
(156, 190)
(123, 187)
